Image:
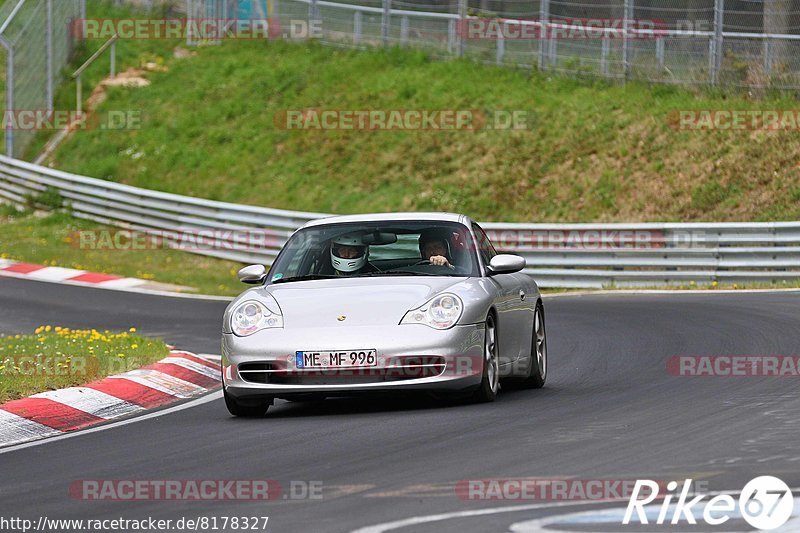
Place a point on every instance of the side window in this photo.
(485, 247)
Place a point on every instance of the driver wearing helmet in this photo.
(349, 255)
(434, 247)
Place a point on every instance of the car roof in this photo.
(382, 217)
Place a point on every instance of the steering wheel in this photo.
(428, 262)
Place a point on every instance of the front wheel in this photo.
(537, 371)
(250, 408)
(490, 380)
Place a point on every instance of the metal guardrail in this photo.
(558, 255)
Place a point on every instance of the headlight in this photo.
(251, 316)
(441, 312)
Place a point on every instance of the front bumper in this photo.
(409, 357)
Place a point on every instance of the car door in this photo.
(514, 316)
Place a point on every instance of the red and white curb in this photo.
(181, 375)
(46, 273)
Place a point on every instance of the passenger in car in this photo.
(349, 255)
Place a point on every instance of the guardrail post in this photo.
(626, 46)
(716, 41)
(386, 21)
(356, 27)
(544, 17)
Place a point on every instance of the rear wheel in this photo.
(490, 381)
(250, 408)
(537, 371)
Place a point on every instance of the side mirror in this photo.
(505, 264)
(252, 274)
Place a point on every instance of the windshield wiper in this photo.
(305, 278)
(399, 273)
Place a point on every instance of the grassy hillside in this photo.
(593, 152)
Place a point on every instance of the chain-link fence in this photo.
(36, 44)
(742, 43)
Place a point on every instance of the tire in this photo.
(251, 409)
(537, 369)
(490, 380)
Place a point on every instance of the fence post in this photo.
(9, 93)
(113, 60)
(606, 46)
(356, 27)
(501, 44)
(83, 9)
(626, 46)
(78, 95)
(404, 30)
(386, 21)
(49, 37)
(767, 57)
(544, 17)
(189, 16)
(461, 25)
(312, 12)
(451, 36)
(660, 53)
(716, 60)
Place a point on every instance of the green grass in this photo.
(55, 357)
(591, 152)
(52, 241)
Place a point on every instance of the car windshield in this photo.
(374, 249)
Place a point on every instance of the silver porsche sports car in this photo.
(393, 301)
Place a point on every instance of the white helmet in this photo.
(351, 264)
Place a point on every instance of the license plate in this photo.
(336, 359)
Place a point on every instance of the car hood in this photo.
(362, 301)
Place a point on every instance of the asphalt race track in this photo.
(610, 411)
